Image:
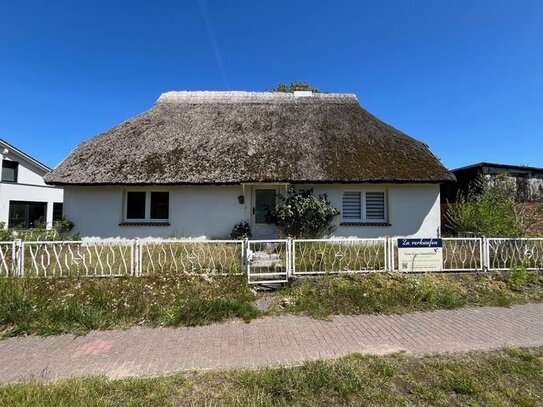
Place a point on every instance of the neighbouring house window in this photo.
(364, 206)
(27, 215)
(9, 171)
(57, 211)
(147, 206)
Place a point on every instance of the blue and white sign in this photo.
(402, 243)
(420, 255)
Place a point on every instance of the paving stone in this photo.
(273, 341)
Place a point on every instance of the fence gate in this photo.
(268, 261)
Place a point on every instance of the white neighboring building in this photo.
(26, 201)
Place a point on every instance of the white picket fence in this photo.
(263, 261)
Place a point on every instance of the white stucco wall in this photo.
(212, 211)
(29, 187)
(413, 210)
(205, 211)
(27, 173)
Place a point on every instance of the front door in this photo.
(264, 201)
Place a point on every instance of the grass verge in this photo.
(77, 305)
(394, 293)
(510, 377)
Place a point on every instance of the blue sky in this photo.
(465, 77)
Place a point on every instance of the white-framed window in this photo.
(10, 171)
(146, 206)
(364, 206)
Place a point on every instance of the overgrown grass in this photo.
(77, 305)
(510, 377)
(400, 293)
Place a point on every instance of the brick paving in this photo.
(272, 341)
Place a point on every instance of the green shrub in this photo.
(241, 230)
(517, 277)
(303, 215)
(487, 209)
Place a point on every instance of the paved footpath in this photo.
(273, 341)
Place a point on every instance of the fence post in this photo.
(132, 256)
(485, 257)
(386, 253)
(18, 257)
(390, 248)
(290, 257)
(243, 256)
(245, 249)
(136, 257)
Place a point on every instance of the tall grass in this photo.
(53, 306)
(399, 293)
(48, 306)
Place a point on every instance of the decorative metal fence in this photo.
(268, 261)
(263, 261)
(7, 252)
(219, 257)
(505, 254)
(318, 256)
(64, 258)
(459, 254)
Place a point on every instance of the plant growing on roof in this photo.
(292, 86)
(300, 214)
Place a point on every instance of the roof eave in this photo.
(299, 182)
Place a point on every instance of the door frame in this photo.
(279, 189)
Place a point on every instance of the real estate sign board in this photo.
(420, 254)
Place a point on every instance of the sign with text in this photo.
(420, 254)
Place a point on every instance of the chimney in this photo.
(302, 90)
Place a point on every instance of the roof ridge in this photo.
(196, 97)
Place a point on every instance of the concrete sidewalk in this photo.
(273, 341)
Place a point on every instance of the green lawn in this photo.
(510, 377)
(46, 306)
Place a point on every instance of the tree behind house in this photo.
(488, 209)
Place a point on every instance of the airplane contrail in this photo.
(211, 35)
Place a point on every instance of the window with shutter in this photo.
(352, 206)
(364, 206)
(375, 206)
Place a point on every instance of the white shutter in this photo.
(352, 206)
(375, 206)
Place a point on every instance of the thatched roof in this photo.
(236, 137)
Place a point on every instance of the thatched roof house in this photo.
(197, 163)
(237, 137)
